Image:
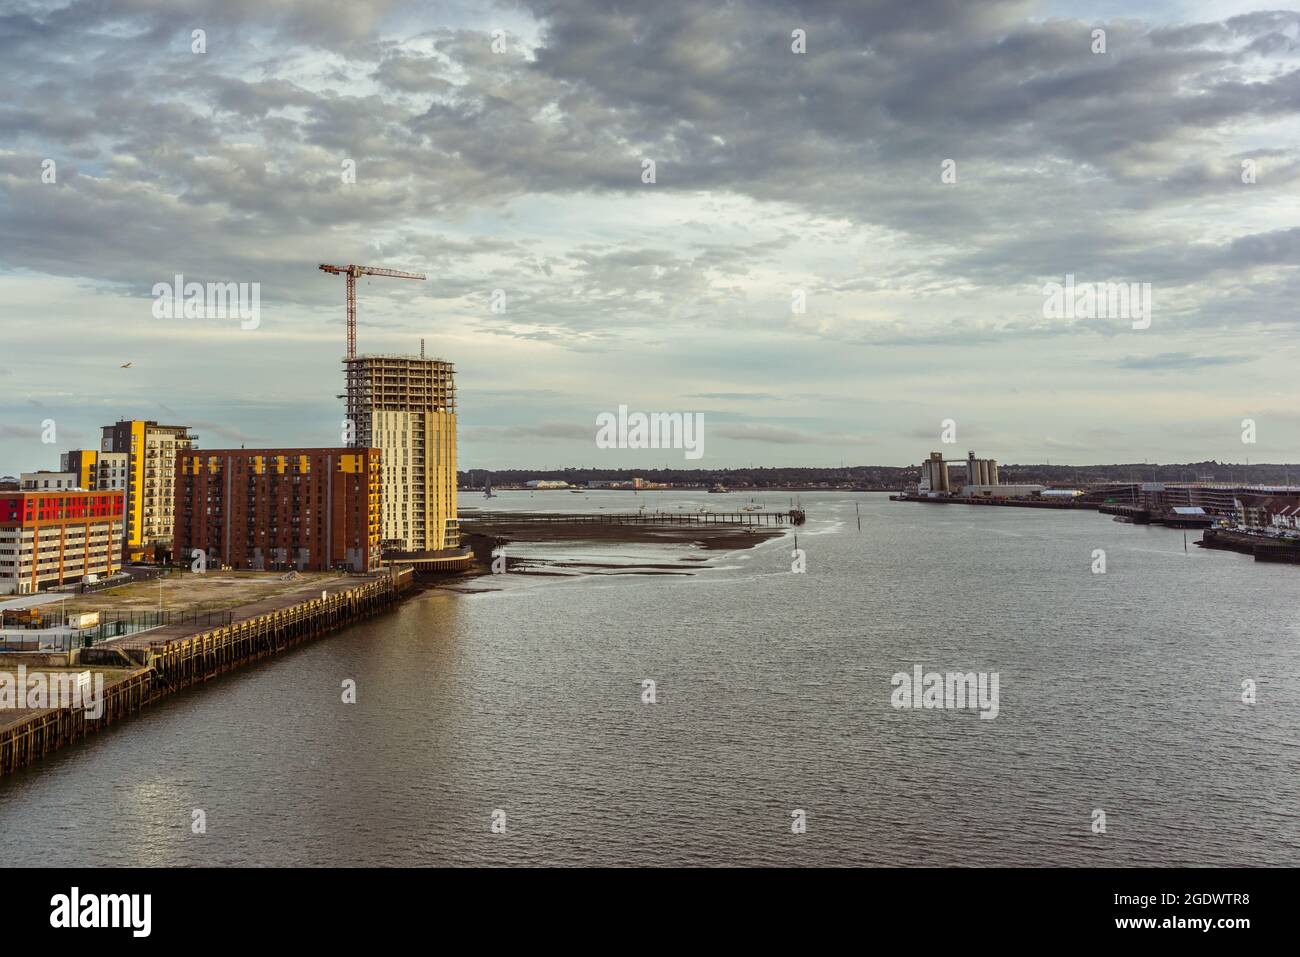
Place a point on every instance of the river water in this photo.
(1118, 692)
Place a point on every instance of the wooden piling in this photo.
(179, 663)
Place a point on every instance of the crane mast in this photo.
(351, 272)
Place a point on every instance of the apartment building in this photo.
(269, 509)
(57, 537)
(96, 470)
(150, 481)
(405, 406)
(45, 481)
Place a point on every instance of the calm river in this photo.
(1118, 692)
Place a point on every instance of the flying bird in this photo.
(126, 365)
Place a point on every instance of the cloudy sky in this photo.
(518, 164)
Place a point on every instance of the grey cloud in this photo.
(222, 430)
(778, 435)
(736, 396)
(413, 74)
(540, 430)
(714, 93)
(1168, 361)
(20, 431)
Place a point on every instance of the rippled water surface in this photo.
(1119, 692)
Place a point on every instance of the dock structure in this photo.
(794, 516)
(1177, 517)
(447, 561)
(152, 664)
(1137, 514)
(1264, 548)
(995, 502)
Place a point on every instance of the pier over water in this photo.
(794, 516)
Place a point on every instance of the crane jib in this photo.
(352, 271)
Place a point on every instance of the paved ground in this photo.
(30, 601)
(190, 591)
(282, 599)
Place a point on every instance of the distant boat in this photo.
(487, 490)
(718, 488)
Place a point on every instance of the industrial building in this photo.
(52, 538)
(268, 509)
(1219, 499)
(1002, 491)
(1062, 494)
(150, 452)
(934, 475)
(405, 406)
(1272, 508)
(981, 477)
(981, 471)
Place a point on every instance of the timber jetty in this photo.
(794, 516)
(147, 666)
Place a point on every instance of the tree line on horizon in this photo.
(894, 477)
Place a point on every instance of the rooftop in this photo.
(394, 356)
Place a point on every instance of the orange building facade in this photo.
(58, 536)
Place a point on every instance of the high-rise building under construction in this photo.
(405, 406)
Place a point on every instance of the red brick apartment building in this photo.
(58, 536)
(272, 509)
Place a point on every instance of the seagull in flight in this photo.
(126, 365)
